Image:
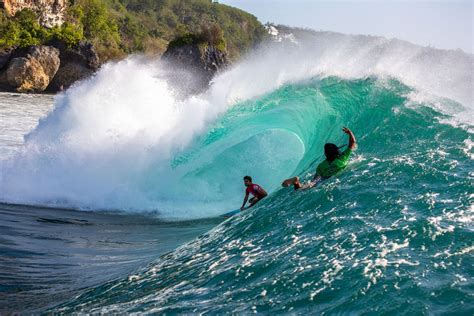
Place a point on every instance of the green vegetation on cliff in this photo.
(24, 30)
(120, 27)
(208, 35)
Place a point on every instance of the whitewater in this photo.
(391, 234)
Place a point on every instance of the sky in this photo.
(446, 24)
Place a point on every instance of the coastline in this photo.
(74, 39)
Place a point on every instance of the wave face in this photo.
(392, 233)
(123, 140)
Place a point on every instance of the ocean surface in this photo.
(111, 192)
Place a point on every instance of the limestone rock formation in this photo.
(51, 12)
(51, 68)
(26, 75)
(33, 71)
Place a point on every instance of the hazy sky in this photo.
(438, 23)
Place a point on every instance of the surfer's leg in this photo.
(289, 182)
(307, 185)
(312, 183)
(295, 182)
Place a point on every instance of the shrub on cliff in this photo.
(214, 35)
(98, 25)
(24, 30)
(68, 33)
(208, 35)
(165, 20)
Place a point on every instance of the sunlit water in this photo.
(19, 114)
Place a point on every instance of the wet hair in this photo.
(248, 178)
(331, 151)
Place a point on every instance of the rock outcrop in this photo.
(46, 68)
(51, 12)
(32, 70)
(77, 63)
(5, 57)
(27, 75)
(194, 65)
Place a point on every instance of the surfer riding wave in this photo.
(335, 162)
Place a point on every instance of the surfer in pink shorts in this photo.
(257, 191)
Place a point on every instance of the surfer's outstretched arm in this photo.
(245, 201)
(352, 140)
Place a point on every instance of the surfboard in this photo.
(231, 213)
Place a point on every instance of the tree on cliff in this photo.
(119, 27)
(99, 27)
(23, 29)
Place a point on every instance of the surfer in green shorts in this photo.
(335, 162)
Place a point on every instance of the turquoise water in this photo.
(112, 202)
(392, 234)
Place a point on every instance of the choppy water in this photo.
(19, 114)
(49, 255)
(393, 233)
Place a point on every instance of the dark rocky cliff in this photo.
(194, 65)
(46, 68)
(77, 63)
